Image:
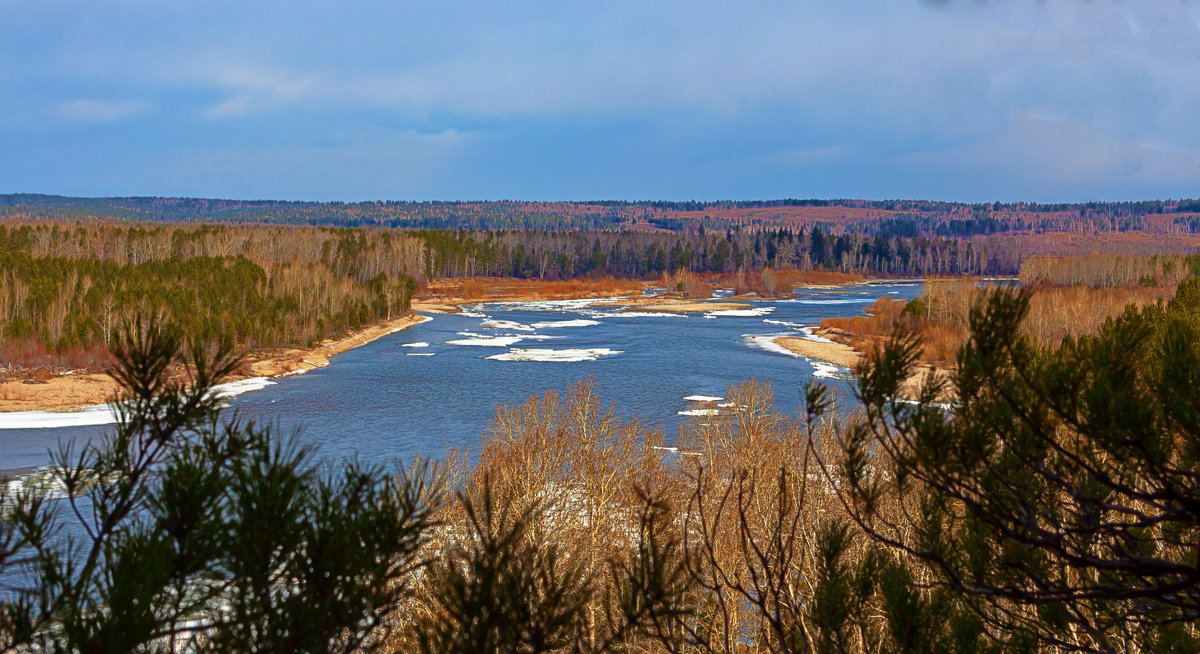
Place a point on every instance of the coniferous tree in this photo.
(1060, 492)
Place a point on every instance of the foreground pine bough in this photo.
(1053, 509)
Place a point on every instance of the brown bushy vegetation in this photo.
(741, 496)
(939, 315)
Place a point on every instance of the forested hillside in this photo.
(907, 218)
(65, 290)
(65, 285)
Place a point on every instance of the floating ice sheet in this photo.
(487, 341)
(584, 354)
(740, 313)
(492, 323)
(579, 322)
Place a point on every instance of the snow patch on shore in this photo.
(767, 342)
(100, 414)
(809, 336)
(231, 389)
(699, 412)
(401, 328)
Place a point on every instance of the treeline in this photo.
(560, 255)
(66, 285)
(906, 218)
(66, 289)
(1110, 270)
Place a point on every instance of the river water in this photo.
(437, 384)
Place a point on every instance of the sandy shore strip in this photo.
(839, 354)
(844, 356)
(77, 392)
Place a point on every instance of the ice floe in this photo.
(864, 300)
(739, 313)
(827, 370)
(549, 305)
(675, 450)
(486, 341)
(783, 323)
(421, 354)
(565, 323)
(583, 354)
(637, 314)
(404, 327)
(492, 323)
(417, 344)
(702, 398)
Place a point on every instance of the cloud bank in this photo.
(970, 101)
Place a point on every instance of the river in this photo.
(437, 384)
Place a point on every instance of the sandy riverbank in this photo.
(844, 356)
(71, 392)
(839, 354)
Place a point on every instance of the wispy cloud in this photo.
(679, 98)
(100, 111)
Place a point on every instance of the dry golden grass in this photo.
(745, 479)
(941, 314)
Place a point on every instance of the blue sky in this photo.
(976, 100)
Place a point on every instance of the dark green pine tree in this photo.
(186, 530)
(1059, 494)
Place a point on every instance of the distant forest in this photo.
(270, 274)
(907, 218)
